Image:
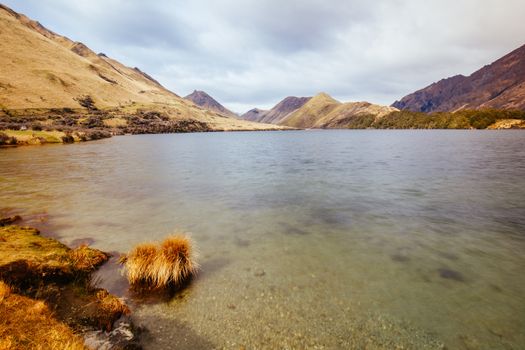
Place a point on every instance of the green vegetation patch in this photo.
(27, 258)
(36, 136)
(467, 119)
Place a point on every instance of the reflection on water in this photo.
(308, 239)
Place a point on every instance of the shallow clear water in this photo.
(307, 239)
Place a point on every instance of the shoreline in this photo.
(51, 286)
(34, 142)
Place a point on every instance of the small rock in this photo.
(451, 274)
(9, 220)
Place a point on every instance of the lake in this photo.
(306, 239)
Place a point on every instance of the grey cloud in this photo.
(253, 53)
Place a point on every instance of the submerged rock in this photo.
(123, 336)
(451, 274)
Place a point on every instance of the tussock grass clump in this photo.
(169, 263)
(29, 324)
(87, 259)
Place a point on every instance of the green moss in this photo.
(25, 243)
(27, 258)
(48, 136)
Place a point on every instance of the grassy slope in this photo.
(43, 70)
(344, 113)
(307, 116)
(322, 111)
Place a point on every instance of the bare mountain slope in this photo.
(279, 111)
(322, 111)
(307, 116)
(253, 115)
(346, 112)
(500, 85)
(43, 70)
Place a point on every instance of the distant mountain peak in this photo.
(323, 96)
(204, 100)
(253, 115)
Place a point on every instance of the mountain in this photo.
(307, 116)
(253, 115)
(279, 111)
(45, 74)
(323, 111)
(500, 85)
(346, 114)
(203, 100)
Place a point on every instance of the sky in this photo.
(253, 53)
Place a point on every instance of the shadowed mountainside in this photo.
(203, 100)
(500, 85)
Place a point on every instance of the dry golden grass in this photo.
(115, 122)
(29, 324)
(169, 263)
(111, 304)
(323, 111)
(41, 70)
(508, 124)
(87, 259)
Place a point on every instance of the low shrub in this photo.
(68, 139)
(7, 140)
(36, 127)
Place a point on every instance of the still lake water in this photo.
(307, 239)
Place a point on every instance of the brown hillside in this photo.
(500, 85)
(344, 113)
(278, 112)
(253, 115)
(307, 116)
(322, 111)
(43, 70)
(203, 100)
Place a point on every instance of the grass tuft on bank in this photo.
(156, 266)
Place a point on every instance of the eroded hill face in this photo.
(43, 71)
(500, 85)
(203, 100)
(323, 111)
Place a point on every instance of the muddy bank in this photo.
(50, 286)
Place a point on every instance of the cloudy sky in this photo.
(253, 53)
